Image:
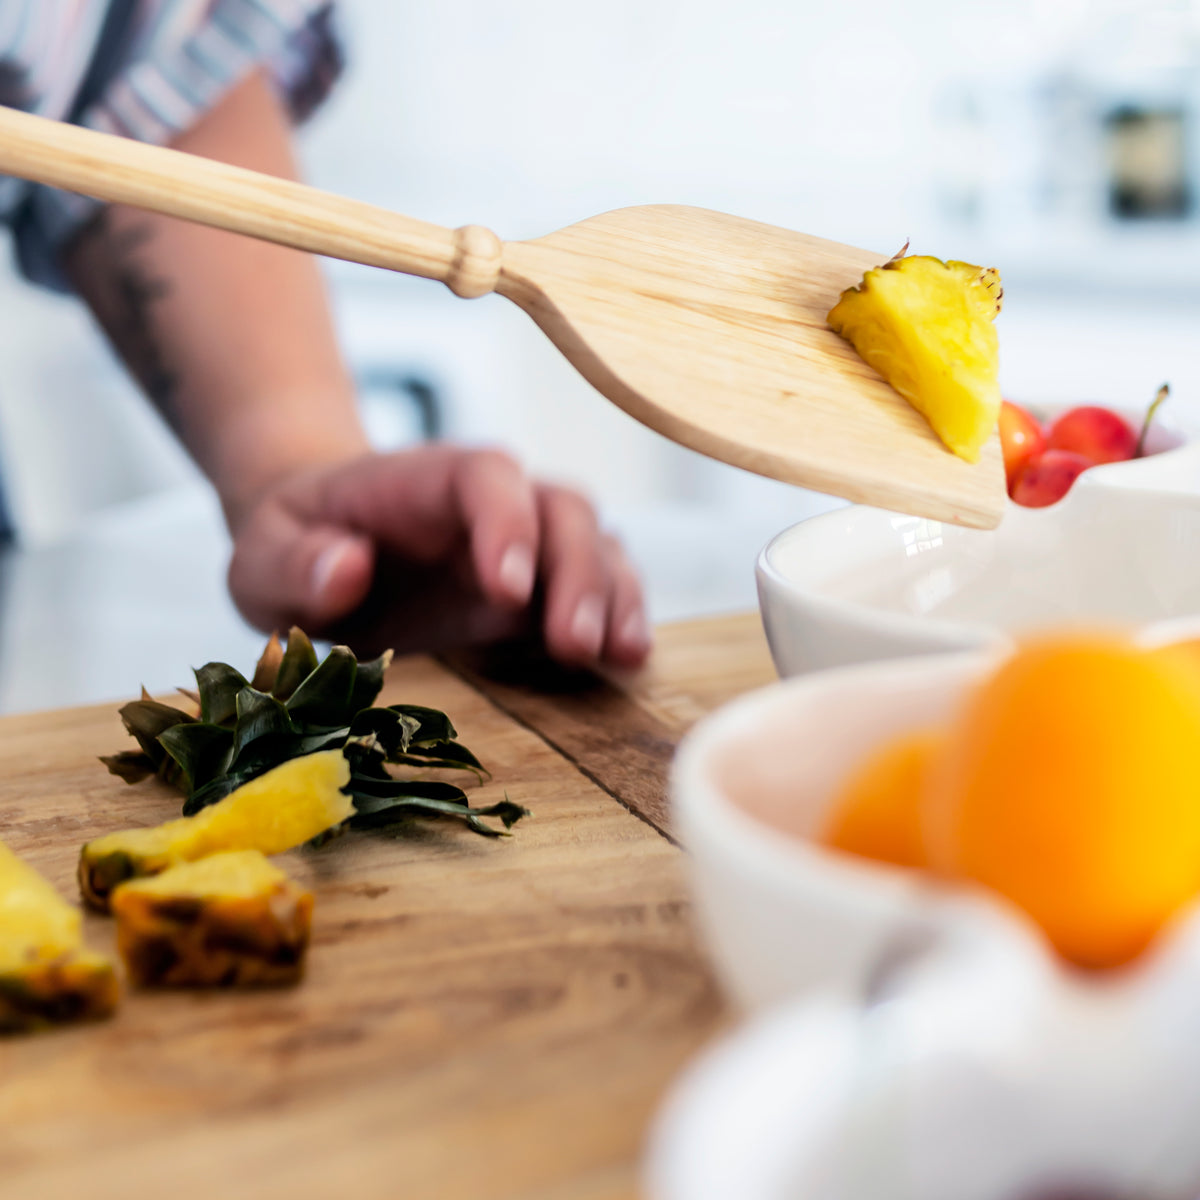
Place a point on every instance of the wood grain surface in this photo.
(712, 330)
(481, 1019)
(621, 732)
(709, 328)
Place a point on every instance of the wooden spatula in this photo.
(708, 328)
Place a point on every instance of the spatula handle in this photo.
(122, 171)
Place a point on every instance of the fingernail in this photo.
(516, 572)
(587, 626)
(326, 567)
(635, 633)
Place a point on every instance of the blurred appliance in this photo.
(1119, 119)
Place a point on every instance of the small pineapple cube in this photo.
(283, 808)
(926, 327)
(46, 975)
(230, 920)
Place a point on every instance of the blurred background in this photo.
(1056, 139)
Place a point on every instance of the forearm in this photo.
(229, 337)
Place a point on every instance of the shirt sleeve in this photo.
(175, 62)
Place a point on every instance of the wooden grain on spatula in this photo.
(708, 328)
(712, 330)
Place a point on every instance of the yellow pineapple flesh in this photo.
(279, 810)
(47, 976)
(230, 920)
(926, 327)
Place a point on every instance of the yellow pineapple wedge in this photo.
(926, 327)
(231, 920)
(47, 977)
(287, 806)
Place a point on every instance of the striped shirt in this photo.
(146, 69)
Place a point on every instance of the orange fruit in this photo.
(1070, 783)
(878, 814)
(1187, 653)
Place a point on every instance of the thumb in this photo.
(285, 572)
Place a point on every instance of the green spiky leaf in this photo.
(219, 684)
(298, 663)
(130, 765)
(326, 696)
(297, 705)
(378, 804)
(266, 670)
(368, 682)
(432, 725)
(203, 751)
(392, 731)
(147, 719)
(451, 756)
(259, 715)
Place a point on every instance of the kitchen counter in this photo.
(481, 1019)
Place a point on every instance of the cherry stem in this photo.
(1155, 405)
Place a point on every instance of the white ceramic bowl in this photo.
(860, 584)
(902, 1030)
(750, 787)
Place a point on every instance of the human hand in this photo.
(435, 548)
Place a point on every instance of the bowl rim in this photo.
(913, 625)
(697, 800)
(891, 621)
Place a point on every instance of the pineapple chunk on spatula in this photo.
(709, 329)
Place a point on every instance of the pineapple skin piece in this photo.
(926, 327)
(47, 977)
(287, 806)
(231, 920)
(77, 986)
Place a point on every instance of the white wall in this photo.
(841, 120)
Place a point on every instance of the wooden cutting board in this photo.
(481, 1019)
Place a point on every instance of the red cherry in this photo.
(1021, 439)
(1048, 478)
(1099, 434)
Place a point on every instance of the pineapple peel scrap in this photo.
(47, 974)
(926, 326)
(230, 920)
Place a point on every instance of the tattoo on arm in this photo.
(110, 267)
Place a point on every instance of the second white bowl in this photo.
(860, 584)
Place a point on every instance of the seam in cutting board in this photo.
(514, 715)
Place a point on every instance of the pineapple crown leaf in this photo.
(201, 751)
(391, 731)
(385, 803)
(294, 705)
(298, 662)
(432, 725)
(266, 670)
(130, 765)
(326, 695)
(218, 684)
